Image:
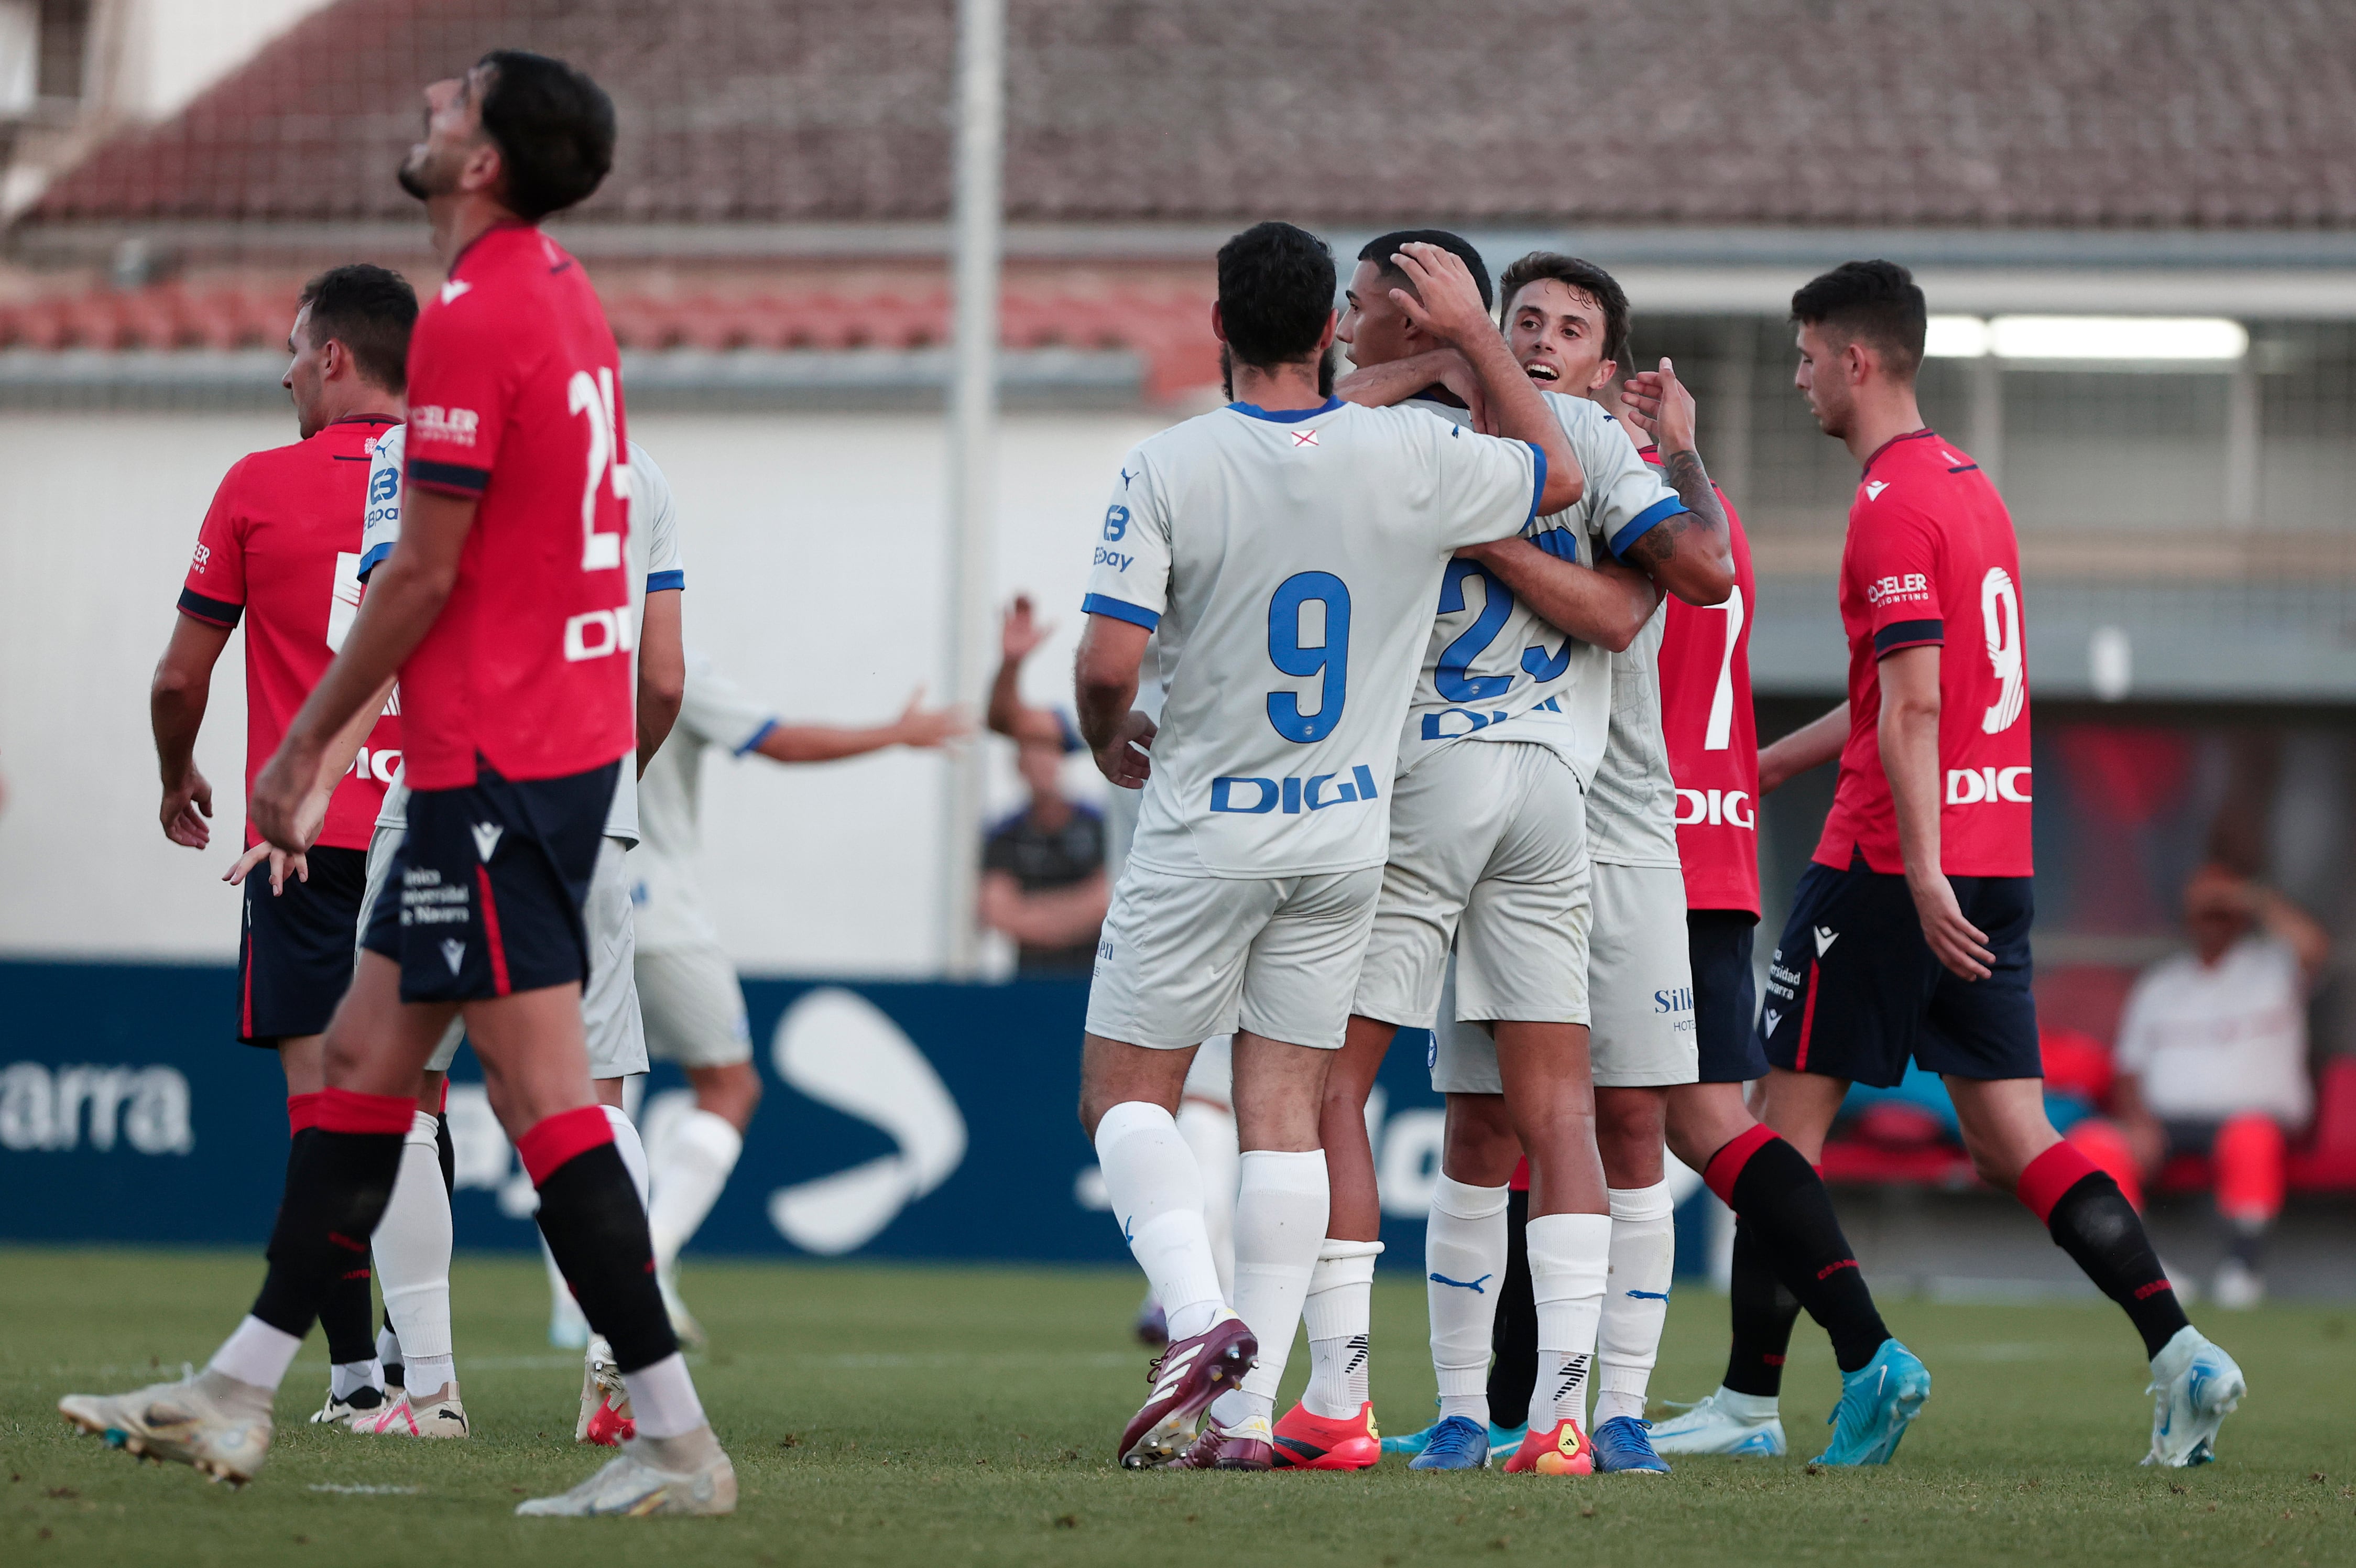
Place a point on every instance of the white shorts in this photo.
(609, 1001)
(1185, 958)
(1638, 987)
(1488, 852)
(694, 1010)
(382, 842)
(1639, 980)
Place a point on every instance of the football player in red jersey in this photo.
(1908, 934)
(505, 609)
(278, 549)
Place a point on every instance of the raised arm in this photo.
(1910, 757)
(1018, 635)
(1104, 691)
(1692, 553)
(175, 711)
(1449, 307)
(1606, 605)
(1813, 745)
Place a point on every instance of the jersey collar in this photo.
(1284, 416)
(502, 226)
(1925, 434)
(367, 419)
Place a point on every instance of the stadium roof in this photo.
(2068, 114)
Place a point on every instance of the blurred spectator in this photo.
(1044, 868)
(2212, 1056)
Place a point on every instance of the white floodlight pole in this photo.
(978, 219)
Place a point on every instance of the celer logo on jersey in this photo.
(1719, 808)
(1898, 585)
(455, 426)
(593, 634)
(1296, 795)
(1971, 786)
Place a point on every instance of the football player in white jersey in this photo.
(1288, 551)
(412, 1244)
(694, 1008)
(1488, 852)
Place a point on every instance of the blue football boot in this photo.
(1878, 1402)
(1625, 1444)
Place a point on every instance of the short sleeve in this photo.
(1630, 497)
(214, 592)
(460, 384)
(380, 518)
(716, 711)
(1893, 561)
(1489, 487)
(1129, 578)
(650, 489)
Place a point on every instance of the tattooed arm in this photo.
(1689, 554)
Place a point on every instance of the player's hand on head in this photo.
(1954, 941)
(1020, 631)
(1446, 302)
(1459, 378)
(1658, 403)
(1123, 761)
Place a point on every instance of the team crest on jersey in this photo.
(1304, 438)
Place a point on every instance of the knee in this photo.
(731, 1092)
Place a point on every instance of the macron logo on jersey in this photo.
(486, 838)
(1873, 490)
(455, 426)
(452, 289)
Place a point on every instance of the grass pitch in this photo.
(952, 1416)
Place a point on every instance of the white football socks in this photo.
(1464, 1264)
(256, 1353)
(1282, 1206)
(627, 1144)
(1636, 1299)
(411, 1247)
(1571, 1256)
(346, 1378)
(662, 1398)
(697, 1157)
(1210, 1132)
(1156, 1191)
(1339, 1316)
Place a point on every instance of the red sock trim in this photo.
(2048, 1176)
(1727, 1164)
(550, 1141)
(302, 1111)
(342, 1110)
(442, 1108)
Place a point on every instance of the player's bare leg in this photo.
(2014, 1149)
(219, 1420)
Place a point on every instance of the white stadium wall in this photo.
(814, 547)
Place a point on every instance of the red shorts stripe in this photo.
(1807, 1022)
(491, 932)
(549, 1143)
(302, 1111)
(245, 988)
(343, 1111)
(1727, 1164)
(2052, 1174)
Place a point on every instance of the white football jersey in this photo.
(1632, 807)
(670, 912)
(1492, 669)
(1289, 563)
(655, 564)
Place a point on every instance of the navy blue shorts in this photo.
(490, 882)
(1854, 991)
(296, 961)
(1725, 995)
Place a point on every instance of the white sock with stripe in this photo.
(1636, 1300)
(1570, 1257)
(1464, 1264)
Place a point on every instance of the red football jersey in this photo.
(1713, 736)
(283, 541)
(1931, 561)
(515, 399)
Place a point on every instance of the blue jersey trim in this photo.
(659, 582)
(759, 735)
(1900, 634)
(1285, 415)
(1645, 521)
(1537, 493)
(1120, 609)
(374, 558)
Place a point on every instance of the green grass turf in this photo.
(951, 1416)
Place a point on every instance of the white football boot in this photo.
(605, 1399)
(439, 1415)
(339, 1410)
(1725, 1423)
(2195, 1386)
(209, 1421)
(687, 1475)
